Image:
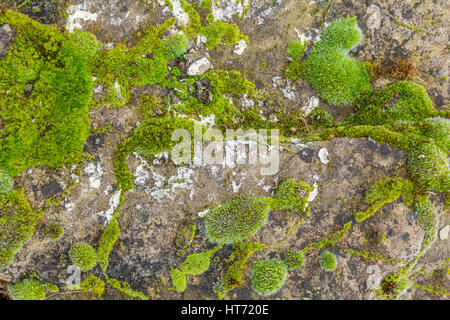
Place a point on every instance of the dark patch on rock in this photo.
(203, 91)
(385, 150)
(51, 189)
(405, 236)
(306, 155)
(437, 98)
(94, 142)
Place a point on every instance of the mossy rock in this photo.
(292, 195)
(83, 255)
(237, 220)
(268, 276)
(328, 261)
(28, 289)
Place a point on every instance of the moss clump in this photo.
(292, 195)
(46, 83)
(428, 168)
(94, 285)
(336, 77)
(28, 289)
(402, 101)
(393, 285)
(17, 224)
(237, 219)
(296, 49)
(126, 289)
(53, 231)
(439, 130)
(383, 192)
(50, 287)
(268, 276)
(328, 261)
(195, 264)
(178, 279)
(83, 255)
(6, 182)
(294, 259)
(174, 45)
(106, 243)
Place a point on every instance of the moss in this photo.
(6, 182)
(94, 285)
(17, 224)
(178, 279)
(329, 241)
(197, 263)
(393, 285)
(234, 275)
(83, 256)
(53, 231)
(50, 287)
(296, 49)
(419, 30)
(383, 192)
(402, 101)
(327, 261)
(428, 168)
(184, 238)
(174, 45)
(46, 83)
(437, 129)
(369, 255)
(294, 259)
(292, 195)
(268, 276)
(106, 243)
(28, 289)
(437, 290)
(334, 75)
(426, 212)
(237, 220)
(125, 288)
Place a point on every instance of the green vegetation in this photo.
(46, 83)
(174, 46)
(292, 195)
(336, 77)
(83, 256)
(106, 243)
(28, 289)
(383, 192)
(268, 276)
(235, 273)
(53, 231)
(327, 261)
(437, 129)
(196, 263)
(93, 285)
(294, 259)
(50, 287)
(296, 49)
(17, 224)
(237, 220)
(125, 288)
(6, 182)
(178, 279)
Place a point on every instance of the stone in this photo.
(7, 35)
(374, 19)
(199, 67)
(443, 233)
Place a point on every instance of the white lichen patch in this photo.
(179, 13)
(240, 47)
(203, 213)
(313, 194)
(95, 173)
(77, 13)
(199, 67)
(374, 19)
(225, 10)
(114, 202)
(311, 104)
(323, 156)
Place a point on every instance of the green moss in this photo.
(439, 130)
(426, 212)
(296, 49)
(329, 241)
(336, 77)
(17, 224)
(28, 289)
(6, 182)
(237, 220)
(83, 256)
(292, 195)
(393, 285)
(428, 167)
(125, 288)
(268, 276)
(383, 192)
(46, 83)
(369, 255)
(197, 263)
(50, 287)
(178, 279)
(327, 261)
(419, 30)
(402, 101)
(294, 259)
(235, 273)
(53, 231)
(106, 243)
(174, 45)
(184, 238)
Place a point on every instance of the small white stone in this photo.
(323, 156)
(240, 47)
(443, 233)
(374, 19)
(203, 213)
(199, 67)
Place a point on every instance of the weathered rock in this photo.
(203, 91)
(443, 233)
(7, 35)
(199, 67)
